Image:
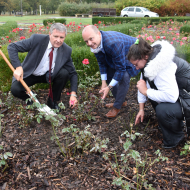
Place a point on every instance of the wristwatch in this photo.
(110, 87)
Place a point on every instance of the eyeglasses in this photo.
(136, 64)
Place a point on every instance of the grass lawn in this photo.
(39, 19)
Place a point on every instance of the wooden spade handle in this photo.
(12, 68)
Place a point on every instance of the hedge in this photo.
(142, 20)
(61, 20)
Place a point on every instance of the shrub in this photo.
(115, 20)
(74, 39)
(184, 52)
(185, 30)
(81, 53)
(128, 29)
(61, 20)
(70, 9)
(142, 20)
(5, 28)
(6, 72)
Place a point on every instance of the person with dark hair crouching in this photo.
(164, 81)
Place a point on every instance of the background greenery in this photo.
(72, 7)
(80, 51)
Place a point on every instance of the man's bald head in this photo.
(91, 36)
(90, 28)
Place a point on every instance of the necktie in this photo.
(50, 64)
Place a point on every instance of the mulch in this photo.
(38, 164)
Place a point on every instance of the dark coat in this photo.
(36, 46)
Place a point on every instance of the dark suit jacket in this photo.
(36, 46)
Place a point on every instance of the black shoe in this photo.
(173, 146)
(53, 104)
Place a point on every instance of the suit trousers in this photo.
(170, 120)
(59, 83)
(120, 90)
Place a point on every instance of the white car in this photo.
(137, 12)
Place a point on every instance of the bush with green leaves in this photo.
(5, 28)
(70, 9)
(141, 20)
(118, 20)
(185, 30)
(186, 149)
(5, 72)
(54, 20)
(184, 52)
(85, 140)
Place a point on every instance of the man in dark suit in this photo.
(36, 67)
(110, 49)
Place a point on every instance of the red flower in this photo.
(79, 27)
(99, 22)
(2, 38)
(7, 37)
(9, 41)
(68, 93)
(85, 62)
(22, 37)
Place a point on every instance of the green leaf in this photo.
(126, 145)
(135, 154)
(3, 162)
(9, 154)
(5, 156)
(38, 120)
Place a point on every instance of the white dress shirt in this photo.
(43, 67)
(166, 84)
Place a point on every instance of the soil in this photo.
(38, 164)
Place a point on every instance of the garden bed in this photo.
(38, 163)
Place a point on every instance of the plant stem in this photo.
(58, 141)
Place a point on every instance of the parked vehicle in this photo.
(137, 12)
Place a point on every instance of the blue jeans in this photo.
(120, 90)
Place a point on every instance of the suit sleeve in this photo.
(21, 46)
(69, 66)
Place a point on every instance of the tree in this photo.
(3, 4)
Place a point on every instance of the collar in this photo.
(50, 46)
(161, 58)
